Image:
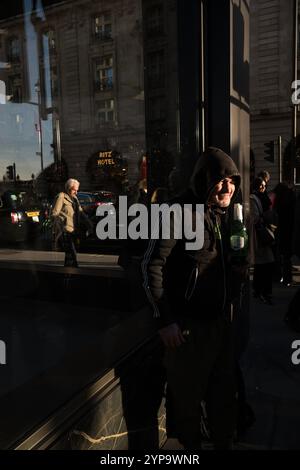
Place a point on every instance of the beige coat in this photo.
(67, 214)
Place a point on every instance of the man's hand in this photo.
(172, 336)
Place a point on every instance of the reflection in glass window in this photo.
(2, 92)
(156, 73)
(15, 88)
(50, 66)
(13, 50)
(154, 20)
(102, 26)
(17, 124)
(89, 79)
(51, 40)
(157, 108)
(54, 81)
(297, 176)
(105, 111)
(19, 199)
(104, 73)
(50, 72)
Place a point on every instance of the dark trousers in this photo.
(202, 369)
(262, 278)
(69, 248)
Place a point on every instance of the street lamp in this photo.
(39, 130)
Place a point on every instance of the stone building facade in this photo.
(271, 76)
(92, 62)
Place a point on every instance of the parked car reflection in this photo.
(21, 216)
(90, 201)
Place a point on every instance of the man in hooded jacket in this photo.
(196, 329)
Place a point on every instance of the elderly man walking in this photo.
(67, 214)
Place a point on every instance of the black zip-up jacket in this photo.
(195, 283)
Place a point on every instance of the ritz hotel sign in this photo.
(105, 158)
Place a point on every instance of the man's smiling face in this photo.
(222, 193)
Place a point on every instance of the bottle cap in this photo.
(238, 212)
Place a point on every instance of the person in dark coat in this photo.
(262, 256)
(191, 293)
(264, 196)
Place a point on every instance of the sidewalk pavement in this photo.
(56, 258)
(272, 381)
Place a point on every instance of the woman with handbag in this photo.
(67, 215)
(262, 226)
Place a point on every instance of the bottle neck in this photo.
(238, 213)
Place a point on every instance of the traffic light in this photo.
(269, 151)
(10, 172)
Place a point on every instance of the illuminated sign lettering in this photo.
(105, 158)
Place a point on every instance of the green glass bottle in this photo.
(238, 234)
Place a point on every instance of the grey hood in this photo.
(213, 166)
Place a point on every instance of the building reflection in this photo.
(103, 73)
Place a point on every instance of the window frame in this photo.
(102, 35)
(105, 110)
(105, 83)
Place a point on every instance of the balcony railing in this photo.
(102, 35)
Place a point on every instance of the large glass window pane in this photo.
(89, 90)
